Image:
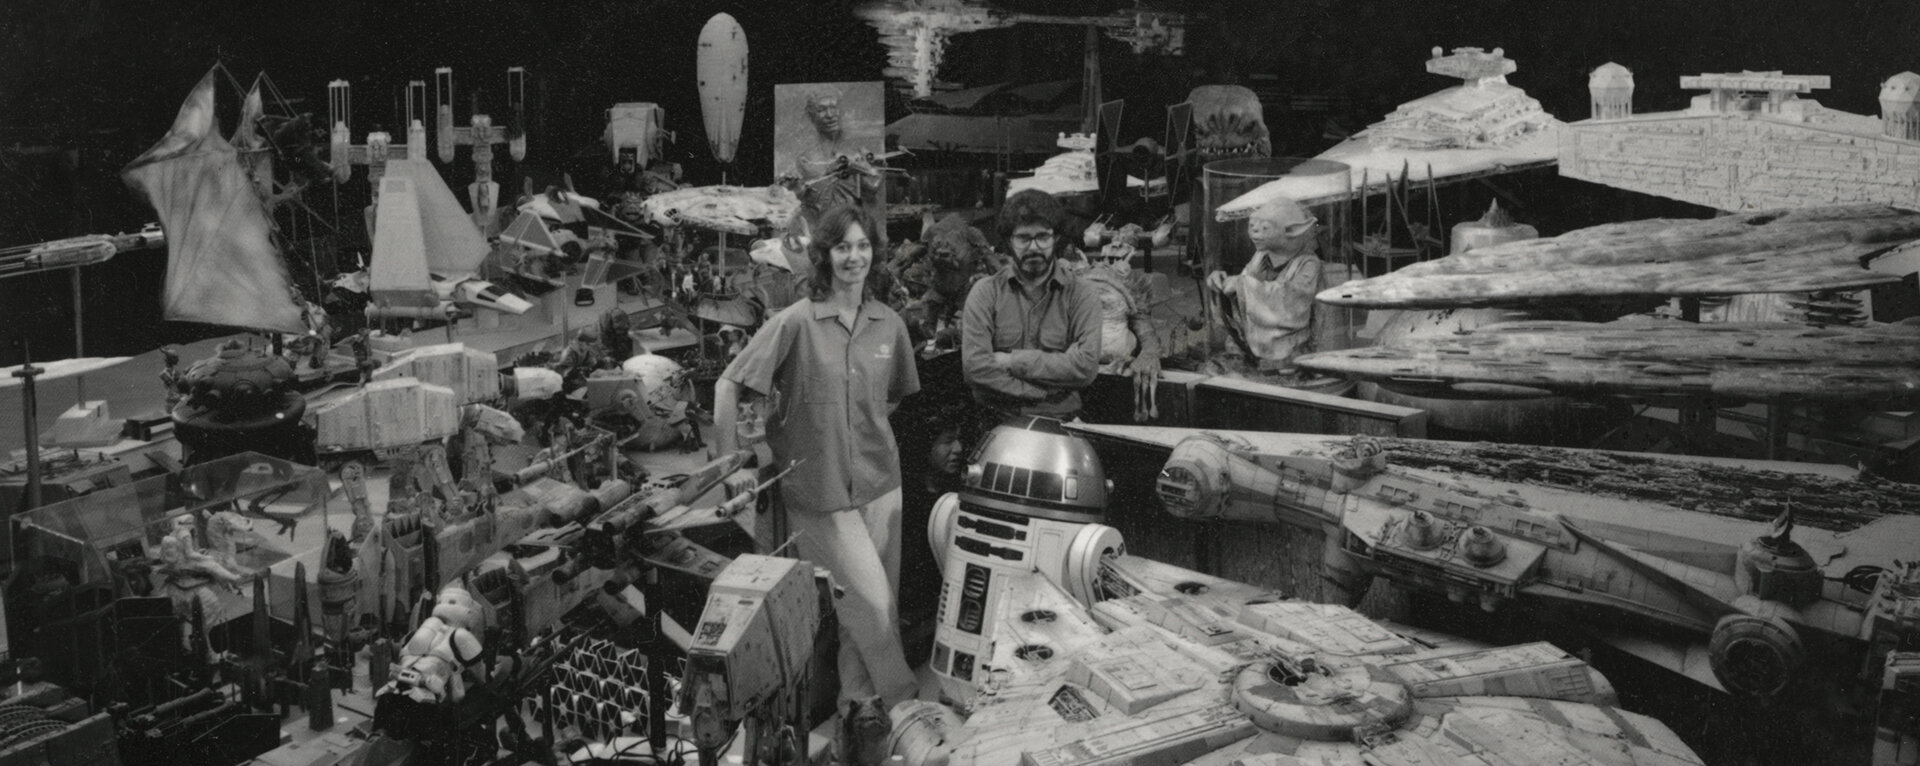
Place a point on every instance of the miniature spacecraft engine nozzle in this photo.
(1031, 502)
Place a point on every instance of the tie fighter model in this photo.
(481, 134)
(1163, 165)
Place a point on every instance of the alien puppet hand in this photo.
(1146, 377)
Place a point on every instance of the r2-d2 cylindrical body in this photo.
(1032, 501)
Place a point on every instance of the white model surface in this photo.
(1177, 667)
(1752, 143)
(732, 209)
(721, 67)
(1771, 251)
(1481, 126)
(1069, 172)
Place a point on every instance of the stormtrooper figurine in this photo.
(434, 656)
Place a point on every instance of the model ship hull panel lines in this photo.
(1645, 554)
(1736, 361)
(1481, 127)
(915, 33)
(1801, 250)
(499, 533)
(1152, 663)
(1750, 143)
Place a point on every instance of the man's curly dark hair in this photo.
(1029, 207)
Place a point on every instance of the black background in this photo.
(87, 86)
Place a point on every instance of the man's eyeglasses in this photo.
(1025, 242)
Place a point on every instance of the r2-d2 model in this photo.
(1032, 501)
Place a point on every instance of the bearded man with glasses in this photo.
(1030, 334)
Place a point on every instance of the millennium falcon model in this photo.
(1176, 667)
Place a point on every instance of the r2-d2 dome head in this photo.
(1029, 507)
(1034, 467)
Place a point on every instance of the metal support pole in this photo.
(657, 696)
(79, 339)
(29, 423)
(1777, 429)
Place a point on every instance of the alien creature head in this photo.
(958, 252)
(1228, 122)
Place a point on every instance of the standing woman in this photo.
(835, 364)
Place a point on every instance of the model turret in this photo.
(1611, 86)
(1900, 106)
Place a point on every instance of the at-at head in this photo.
(1033, 467)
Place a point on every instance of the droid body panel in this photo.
(1031, 503)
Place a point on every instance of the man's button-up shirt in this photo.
(1051, 332)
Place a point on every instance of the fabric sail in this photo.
(222, 267)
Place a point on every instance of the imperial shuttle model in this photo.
(1623, 538)
(425, 251)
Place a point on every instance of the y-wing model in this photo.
(1623, 541)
